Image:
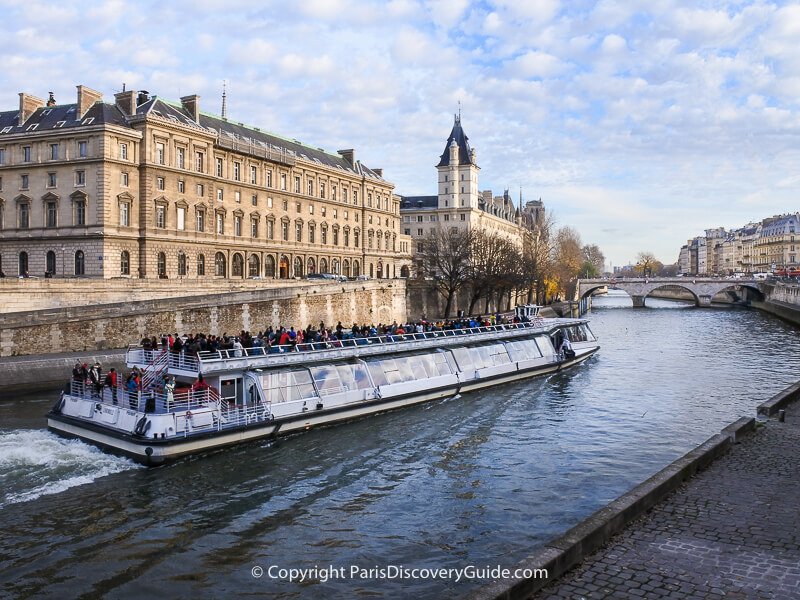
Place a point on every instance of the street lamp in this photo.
(63, 265)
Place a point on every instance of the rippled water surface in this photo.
(478, 480)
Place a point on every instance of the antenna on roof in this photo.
(123, 86)
(459, 111)
(224, 98)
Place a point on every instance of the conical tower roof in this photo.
(461, 139)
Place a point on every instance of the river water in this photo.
(473, 482)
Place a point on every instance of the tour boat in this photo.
(187, 404)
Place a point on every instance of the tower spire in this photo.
(224, 99)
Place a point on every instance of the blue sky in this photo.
(638, 123)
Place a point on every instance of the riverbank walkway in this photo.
(730, 532)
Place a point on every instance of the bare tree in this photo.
(537, 259)
(568, 258)
(647, 264)
(445, 256)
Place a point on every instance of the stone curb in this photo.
(779, 400)
(561, 554)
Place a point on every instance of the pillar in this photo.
(638, 301)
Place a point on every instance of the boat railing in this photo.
(356, 342)
(183, 361)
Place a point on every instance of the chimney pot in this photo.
(27, 106)
(191, 104)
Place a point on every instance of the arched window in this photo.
(201, 264)
(162, 265)
(125, 263)
(371, 270)
(181, 264)
(23, 263)
(50, 262)
(269, 266)
(346, 268)
(404, 272)
(380, 270)
(238, 265)
(253, 266)
(311, 266)
(323, 265)
(335, 266)
(356, 269)
(220, 269)
(298, 266)
(80, 266)
(283, 267)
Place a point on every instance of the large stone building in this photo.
(765, 246)
(459, 203)
(149, 188)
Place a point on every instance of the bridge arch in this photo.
(702, 290)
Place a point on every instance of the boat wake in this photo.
(35, 463)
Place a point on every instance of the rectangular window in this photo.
(160, 158)
(310, 188)
(199, 161)
(321, 190)
(80, 212)
(324, 211)
(23, 184)
(237, 196)
(124, 214)
(299, 208)
(24, 216)
(333, 192)
(355, 197)
(447, 217)
(285, 231)
(334, 213)
(311, 209)
(434, 218)
(253, 174)
(237, 171)
(26, 154)
(160, 183)
(237, 225)
(219, 194)
(254, 199)
(123, 179)
(311, 232)
(200, 190)
(181, 186)
(419, 231)
(298, 232)
(346, 215)
(296, 185)
(1, 189)
(254, 227)
(161, 217)
(270, 230)
(52, 214)
(53, 151)
(83, 149)
(419, 218)
(2, 156)
(201, 220)
(181, 218)
(123, 151)
(180, 155)
(463, 217)
(407, 231)
(283, 182)
(269, 202)
(369, 200)
(51, 180)
(268, 178)
(219, 167)
(80, 178)
(220, 224)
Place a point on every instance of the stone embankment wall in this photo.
(18, 295)
(116, 325)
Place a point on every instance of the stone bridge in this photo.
(702, 288)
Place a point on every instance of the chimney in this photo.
(126, 102)
(143, 97)
(51, 101)
(191, 104)
(27, 106)
(349, 155)
(86, 98)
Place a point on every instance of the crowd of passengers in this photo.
(290, 339)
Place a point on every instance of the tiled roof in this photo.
(461, 139)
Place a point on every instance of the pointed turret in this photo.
(465, 155)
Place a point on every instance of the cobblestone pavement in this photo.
(733, 532)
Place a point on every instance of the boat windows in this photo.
(287, 386)
(333, 379)
(523, 350)
(545, 345)
(481, 357)
(386, 371)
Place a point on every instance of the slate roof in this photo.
(464, 151)
(61, 116)
(780, 226)
(418, 202)
(244, 133)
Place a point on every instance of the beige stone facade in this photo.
(144, 188)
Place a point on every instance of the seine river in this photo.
(470, 482)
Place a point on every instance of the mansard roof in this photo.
(462, 141)
(253, 135)
(61, 116)
(418, 202)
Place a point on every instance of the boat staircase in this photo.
(154, 371)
